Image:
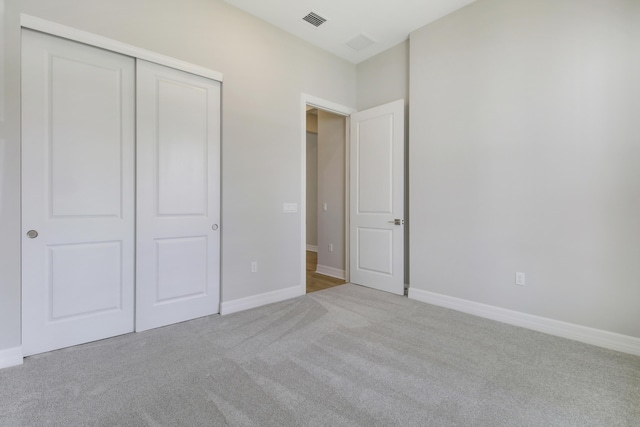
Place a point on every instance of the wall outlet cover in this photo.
(289, 207)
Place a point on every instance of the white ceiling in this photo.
(386, 22)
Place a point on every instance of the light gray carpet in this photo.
(346, 356)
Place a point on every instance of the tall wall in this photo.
(10, 333)
(331, 190)
(525, 156)
(384, 77)
(265, 72)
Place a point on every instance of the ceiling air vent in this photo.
(314, 19)
(360, 42)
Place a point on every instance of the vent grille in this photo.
(314, 19)
(360, 42)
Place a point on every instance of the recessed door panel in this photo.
(182, 268)
(77, 193)
(374, 164)
(85, 143)
(178, 203)
(84, 279)
(182, 140)
(375, 250)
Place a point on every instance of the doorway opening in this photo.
(374, 194)
(326, 203)
(325, 193)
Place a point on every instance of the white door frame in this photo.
(346, 112)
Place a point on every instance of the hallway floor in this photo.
(315, 281)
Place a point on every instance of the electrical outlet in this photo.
(520, 279)
(330, 247)
(254, 266)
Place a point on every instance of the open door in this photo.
(377, 198)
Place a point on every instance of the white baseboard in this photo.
(312, 248)
(606, 339)
(330, 271)
(11, 357)
(254, 301)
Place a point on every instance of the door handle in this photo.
(397, 221)
(214, 227)
(32, 234)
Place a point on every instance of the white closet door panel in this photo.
(78, 193)
(178, 202)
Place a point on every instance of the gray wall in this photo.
(312, 121)
(525, 156)
(384, 78)
(265, 71)
(10, 184)
(312, 187)
(331, 189)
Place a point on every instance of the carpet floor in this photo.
(345, 356)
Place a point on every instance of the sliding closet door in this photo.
(77, 193)
(178, 196)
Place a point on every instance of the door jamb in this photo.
(345, 112)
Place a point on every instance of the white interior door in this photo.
(77, 193)
(377, 198)
(178, 196)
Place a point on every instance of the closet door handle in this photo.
(214, 227)
(32, 234)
